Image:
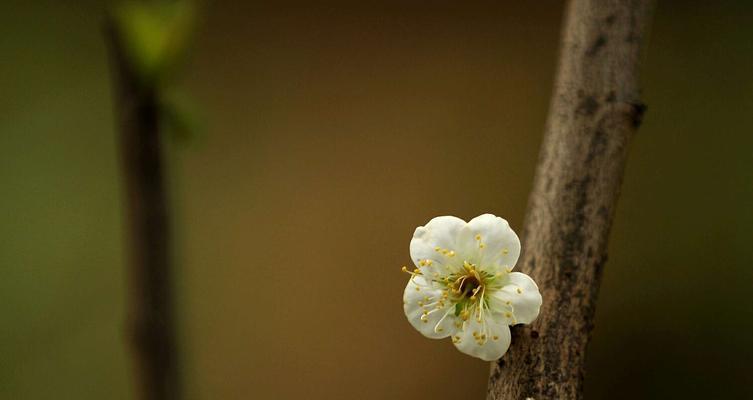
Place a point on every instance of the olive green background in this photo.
(332, 131)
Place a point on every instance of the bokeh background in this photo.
(332, 131)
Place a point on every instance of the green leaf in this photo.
(181, 117)
(155, 35)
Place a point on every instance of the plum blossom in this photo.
(463, 286)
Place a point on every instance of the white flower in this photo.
(463, 285)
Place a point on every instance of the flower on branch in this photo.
(463, 286)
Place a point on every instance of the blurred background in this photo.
(332, 131)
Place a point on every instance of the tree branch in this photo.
(151, 319)
(594, 112)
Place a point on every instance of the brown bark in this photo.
(595, 110)
(151, 329)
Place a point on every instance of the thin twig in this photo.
(151, 316)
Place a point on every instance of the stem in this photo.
(151, 324)
(594, 112)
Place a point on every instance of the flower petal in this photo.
(489, 344)
(420, 297)
(436, 239)
(523, 294)
(495, 243)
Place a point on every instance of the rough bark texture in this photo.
(595, 111)
(151, 330)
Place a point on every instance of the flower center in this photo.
(469, 286)
(468, 283)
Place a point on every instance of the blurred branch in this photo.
(151, 322)
(594, 112)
